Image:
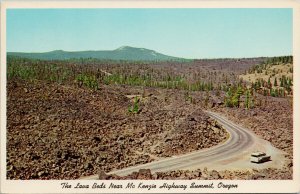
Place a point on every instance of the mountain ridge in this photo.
(121, 53)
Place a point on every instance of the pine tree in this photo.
(228, 97)
(235, 100)
(247, 99)
(290, 82)
(272, 92)
(239, 92)
(276, 93)
(285, 81)
(288, 89)
(265, 92)
(275, 82)
(279, 92)
(258, 83)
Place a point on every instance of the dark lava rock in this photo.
(144, 174)
(102, 175)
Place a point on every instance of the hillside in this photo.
(274, 77)
(122, 53)
(272, 72)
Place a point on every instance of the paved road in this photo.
(240, 140)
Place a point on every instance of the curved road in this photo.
(240, 142)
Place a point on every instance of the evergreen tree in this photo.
(275, 82)
(281, 82)
(228, 97)
(276, 93)
(290, 82)
(290, 59)
(288, 89)
(272, 92)
(259, 83)
(265, 92)
(284, 81)
(235, 100)
(239, 92)
(247, 99)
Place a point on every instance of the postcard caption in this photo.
(144, 185)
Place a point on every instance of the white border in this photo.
(54, 186)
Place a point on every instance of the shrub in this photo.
(88, 81)
(135, 107)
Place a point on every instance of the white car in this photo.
(259, 157)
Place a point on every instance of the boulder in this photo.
(144, 174)
(102, 175)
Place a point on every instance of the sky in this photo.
(188, 33)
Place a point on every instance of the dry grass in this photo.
(276, 71)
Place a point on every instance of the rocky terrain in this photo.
(59, 131)
(273, 121)
(205, 174)
(70, 119)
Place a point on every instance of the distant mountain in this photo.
(122, 53)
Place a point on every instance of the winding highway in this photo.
(239, 145)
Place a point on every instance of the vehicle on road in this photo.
(259, 157)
